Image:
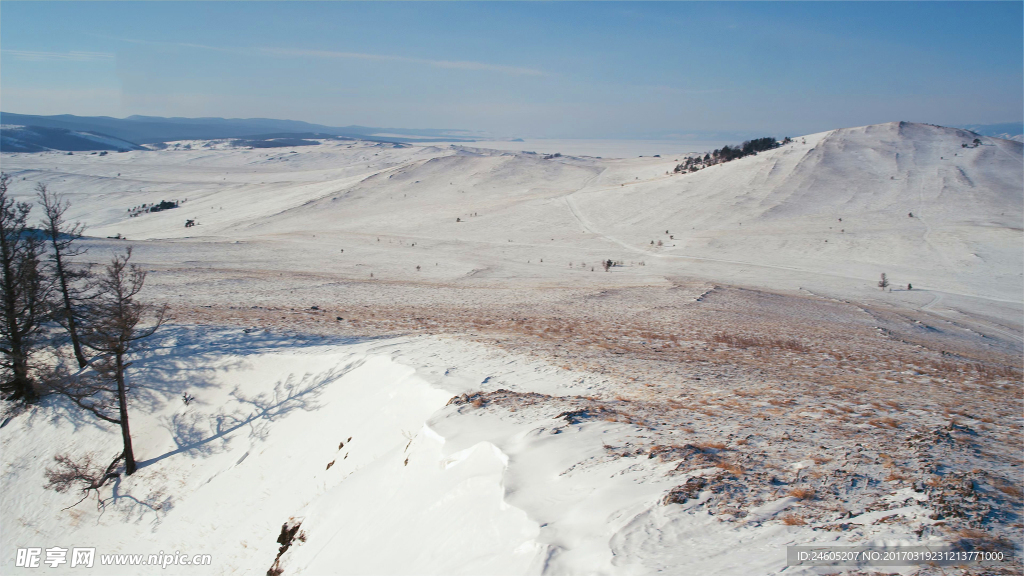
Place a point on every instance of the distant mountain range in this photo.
(28, 133)
(1007, 130)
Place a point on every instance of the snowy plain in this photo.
(362, 401)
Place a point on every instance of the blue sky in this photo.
(534, 69)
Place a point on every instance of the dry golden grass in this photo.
(972, 533)
(710, 445)
(793, 520)
(884, 422)
(802, 493)
(896, 475)
(730, 467)
(733, 404)
(1010, 490)
(739, 341)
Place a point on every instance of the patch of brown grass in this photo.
(1010, 490)
(730, 467)
(710, 445)
(896, 475)
(885, 422)
(740, 341)
(972, 533)
(793, 520)
(802, 493)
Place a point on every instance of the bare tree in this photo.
(82, 473)
(117, 322)
(62, 236)
(25, 292)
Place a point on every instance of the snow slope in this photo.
(829, 212)
(358, 442)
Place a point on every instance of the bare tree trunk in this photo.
(62, 237)
(69, 314)
(19, 363)
(113, 330)
(20, 382)
(122, 400)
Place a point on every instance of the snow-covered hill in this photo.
(905, 199)
(829, 212)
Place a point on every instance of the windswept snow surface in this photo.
(356, 440)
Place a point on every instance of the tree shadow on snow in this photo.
(132, 509)
(181, 359)
(175, 360)
(201, 435)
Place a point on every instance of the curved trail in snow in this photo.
(591, 228)
(958, 321)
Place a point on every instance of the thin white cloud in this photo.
(455, 64)
(73, 56)
(677, 90)
(452, 64)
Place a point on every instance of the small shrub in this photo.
(730, 467)
(802, 493)
(285, 539)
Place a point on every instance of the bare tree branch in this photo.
(82, 474)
